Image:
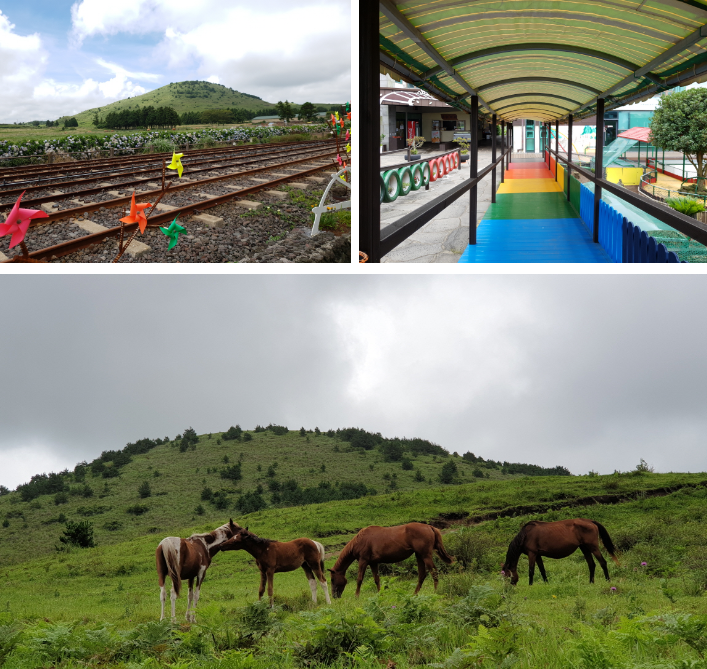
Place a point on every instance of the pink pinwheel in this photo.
(17, 222)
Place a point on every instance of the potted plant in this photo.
(689, 206)
(463, 149)
(415, 143)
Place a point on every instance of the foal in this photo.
(279, 556)
(559, 539)
(189, 558)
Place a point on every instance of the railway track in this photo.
(228, 176)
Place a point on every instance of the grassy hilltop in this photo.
(98, 606)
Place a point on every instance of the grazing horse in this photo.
(189, 558)
(279, 556)
(375, 545)
(559, 539)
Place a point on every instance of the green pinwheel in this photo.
(173, 232)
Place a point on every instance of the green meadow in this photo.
(86, 607)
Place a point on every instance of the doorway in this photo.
(530, 136)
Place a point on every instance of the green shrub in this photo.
(232, 473)
(137, 509)
(112, 525)
(61, 498)
(144, 490)
(79, 534)
(686, 205)
(247, 436)
(279, 430)
(251, 502)
(449, 472)
(232, 434)
(159, 145)
(406, 463)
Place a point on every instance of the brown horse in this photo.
(189, 558)
(559, 539)
(375, 545)
(280, 556)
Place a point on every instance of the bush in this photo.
(247, 436)
(232, 473)
(199, 511)
(251, 502)
(418, 476)
(330, 637)
(207, 494)
(406, 464)
(112, 525)
(220, 500)
(144, 490)
(79, 534)
(137, 509)
(279, 430)
(448, 473)
(61, 498)
(232, 434)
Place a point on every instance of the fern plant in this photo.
(686, 205)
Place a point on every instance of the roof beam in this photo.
(533, 46)
(534, 102)
(545, 80)
(414, 78)
(644, 71)
(393, 13)
(535, 95)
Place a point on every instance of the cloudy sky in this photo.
(589, 372)
(61, 57)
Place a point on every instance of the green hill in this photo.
(268, 468)
(186, 96)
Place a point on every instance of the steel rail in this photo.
(136, 182)
(127, 164)
(71, 246)
(116, 202)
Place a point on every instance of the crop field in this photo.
(100, 606)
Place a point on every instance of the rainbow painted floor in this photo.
(532, 221)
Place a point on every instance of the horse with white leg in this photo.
(180, 559)
(279, 556)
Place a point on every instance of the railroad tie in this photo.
(209, 221)
(298, 184)
(248, 204)
(3, 257)
(49, 207)
(280, 194)
(136, 248)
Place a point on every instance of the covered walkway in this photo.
(532, 221)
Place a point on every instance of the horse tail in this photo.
(606, 540)
(170, 550)
(320, 548)
(439, 547)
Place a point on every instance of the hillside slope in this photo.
(258, 469)
(185, 96)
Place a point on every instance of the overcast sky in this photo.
(589, 372)
(61, 57)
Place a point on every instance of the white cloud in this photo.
(21, 463)
(276, 51)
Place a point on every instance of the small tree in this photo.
(78, 534)
(448, 473)
(406, 463)
(680, 124)
(418, 476)
(284, 110)
(144, 490)
(307, 112)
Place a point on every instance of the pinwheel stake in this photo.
(17, 224)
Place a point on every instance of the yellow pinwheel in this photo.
(176, 163)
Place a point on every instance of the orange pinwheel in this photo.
(137, 215)
(17, 223)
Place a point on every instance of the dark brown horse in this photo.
(280, 556)
(189, 558)
(375, 545)
(538, 539)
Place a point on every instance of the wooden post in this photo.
(369, 133)
(493, 158)
(473, 165)
(598, 166)
(569, 155)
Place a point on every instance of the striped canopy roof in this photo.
(545, 59)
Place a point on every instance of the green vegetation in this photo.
(680, 124)
(686, 205)
(98, 607)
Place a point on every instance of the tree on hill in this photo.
(284, 110)
(78, 534)
(71, 123)
(306, 112)
(680, 124)
(217, 116)
(448, 473)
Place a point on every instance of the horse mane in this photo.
(258, 540)
(224, 533)
(515, 548)
(346, 551)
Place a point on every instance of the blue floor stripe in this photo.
(564, 240)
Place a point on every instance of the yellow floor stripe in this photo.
(530, 186)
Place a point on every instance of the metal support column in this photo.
(509, 127)
(493, 158)
(569, 154)
(504, 143)
(369, 137)
(473, 165)
(557, 144)
(598, 166)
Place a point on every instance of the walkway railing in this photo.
(402, 178)
(636, 245)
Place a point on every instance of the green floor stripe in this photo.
(531, 205)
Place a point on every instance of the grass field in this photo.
(99, 606)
